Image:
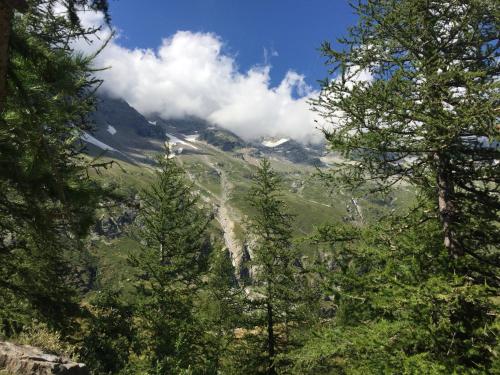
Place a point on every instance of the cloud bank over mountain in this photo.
(190, 75)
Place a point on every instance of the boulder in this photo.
(28, 360)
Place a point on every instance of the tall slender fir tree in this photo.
(47, 201)
(172, 230)
(279, 290)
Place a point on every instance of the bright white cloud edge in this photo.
(190, 75)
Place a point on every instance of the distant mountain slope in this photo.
(221, 165)
(291, 150)
(122, 132)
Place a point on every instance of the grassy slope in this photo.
(307, 198)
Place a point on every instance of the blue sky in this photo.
(294, 29)
(250, 66)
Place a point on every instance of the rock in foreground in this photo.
(28, 360)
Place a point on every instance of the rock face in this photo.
(27, 360)
(113, 227)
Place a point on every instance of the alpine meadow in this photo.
(253, 187)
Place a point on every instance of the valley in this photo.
(221, 166)
(230, 187)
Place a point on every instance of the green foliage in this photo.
(47, 202)
(413, 103)
(393, 298)
(108, 334)
(221, 310)
(41, 336)
(279, 291)
(398, 306)
(172, 229)
(414, 100)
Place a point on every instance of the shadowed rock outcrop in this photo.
(28, 360)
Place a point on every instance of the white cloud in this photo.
(190, 75)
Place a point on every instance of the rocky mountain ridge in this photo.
(122, 132)
(220, 166)
(28, 360)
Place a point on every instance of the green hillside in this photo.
(223, 178)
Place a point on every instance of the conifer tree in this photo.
(47, 202)
(415, 99)
(278, 291)
(414, 102)
(395, 306)
(222, 311)
(172, 258)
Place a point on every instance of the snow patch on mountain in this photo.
(152, 123)
(173, 140)
(90, 139)
(111, 129)
(275, 143)
(192, 137)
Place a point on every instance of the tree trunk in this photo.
(446, 206)
(270, 339)
(5, 26)
(6, 11)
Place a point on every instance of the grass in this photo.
(126, 177)
(114, 269)
(304, 193)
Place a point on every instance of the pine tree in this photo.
(222, 311)
(47, 202)
(278, 290)
(413, 102)
(172, 258)
(415, 99)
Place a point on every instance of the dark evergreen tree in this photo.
(47, 201)
(414, 102)
(279, 293)
(222, 311)
(415, 99)
(172, 258)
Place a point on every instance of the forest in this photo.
(410, 289)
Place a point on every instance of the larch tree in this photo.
(413, 102)
(172, 231)
(395, 305)
(415, 99)
(48, 201)
(279, 292)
